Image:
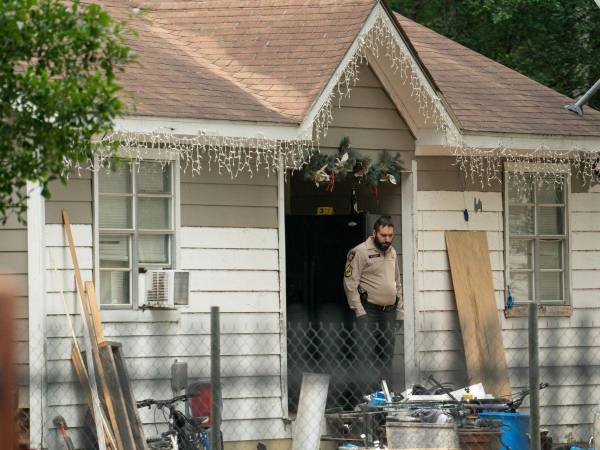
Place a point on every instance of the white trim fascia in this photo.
(378, 12)
(430, 143)
(529, 142)
(225, 128)
(447, 117)
(36, 295)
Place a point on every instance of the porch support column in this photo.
(36, 267)
(409, 271)
(281, 172)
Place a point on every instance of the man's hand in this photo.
(361, 321)
(399, 324)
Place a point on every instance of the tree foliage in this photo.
(555, 42)
(58, 89)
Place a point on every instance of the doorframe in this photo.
(409, 271)
(281, 198)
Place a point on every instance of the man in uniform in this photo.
(374, 292)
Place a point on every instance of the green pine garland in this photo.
(326, 170)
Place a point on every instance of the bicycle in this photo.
(184, 433)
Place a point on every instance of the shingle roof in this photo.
(258, 60)
(486, 96)
(268, 60)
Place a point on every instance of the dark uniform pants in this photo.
(375, 344)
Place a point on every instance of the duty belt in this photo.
(382, 307)
(364, 299)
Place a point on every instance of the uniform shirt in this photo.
(377, 272)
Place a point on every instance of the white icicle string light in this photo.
(227, 155)
(234, 156)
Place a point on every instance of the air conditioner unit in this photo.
(164, 288)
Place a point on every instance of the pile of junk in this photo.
(434, 417)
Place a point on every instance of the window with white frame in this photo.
(136, 226)
(537, 239)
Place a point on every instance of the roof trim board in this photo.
(197, 127)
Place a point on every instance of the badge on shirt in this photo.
(377, 255)
(348, 271)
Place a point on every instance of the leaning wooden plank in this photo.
(476, 304)
(82, 375)
(114, 389)
(94, 363)
(94, 311)
(132, 411)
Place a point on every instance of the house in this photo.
(248, 90)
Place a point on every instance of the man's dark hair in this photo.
(383, 221)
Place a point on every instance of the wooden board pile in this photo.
(106, 384)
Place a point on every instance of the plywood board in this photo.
(476, 304)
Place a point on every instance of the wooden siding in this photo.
(440, 173)
(76, 197)
(247, 294)
(569, 352)
(213, 200)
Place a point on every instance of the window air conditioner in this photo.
(163, 288)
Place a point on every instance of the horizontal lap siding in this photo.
(213, 200)
(569, 353)
(233, 264)
(439, 340)
(76, 197)
(237, 270)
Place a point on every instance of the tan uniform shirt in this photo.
(377, 273)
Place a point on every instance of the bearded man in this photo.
(374, 292)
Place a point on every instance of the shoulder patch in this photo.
(351, 255)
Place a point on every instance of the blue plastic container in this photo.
(515, 429)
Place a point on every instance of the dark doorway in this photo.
(316, 249)
(319, 322)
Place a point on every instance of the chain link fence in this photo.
(312, 385)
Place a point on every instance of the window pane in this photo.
(521, 252)
(520, 188)
(114, 287)
(551, 255)
(153, 249)
(520, 220)
(114, 251)
(549, 192)
(550, 220)
(550, 286)
(115, 212)
(154, 213)
(115, 179)
(521, 286)
(153, 177)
